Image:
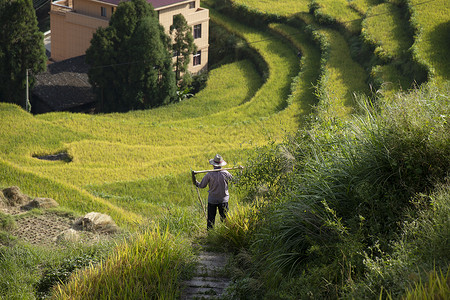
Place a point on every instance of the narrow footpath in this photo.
(210, 278)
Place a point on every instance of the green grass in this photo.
(281, 7)
(432, 23)
(385, 28)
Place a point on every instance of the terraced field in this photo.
(432, 23)
(132, 164)
(135, 166)
(116, 157)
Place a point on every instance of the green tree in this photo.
(183, 45)
(131, 66)
(21, 48)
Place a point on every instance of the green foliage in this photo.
(19, 271)
(419, 251)
(131, 67)
(7, 222)
(60, 273)
(183, 45)
(21, 48)
(350, 190)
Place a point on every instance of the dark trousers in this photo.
(212, 210)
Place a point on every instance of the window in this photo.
(112, 10)
(197, 58)
(197, 31)
(192, 4)
(103, 11)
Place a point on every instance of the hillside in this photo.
(306, 62)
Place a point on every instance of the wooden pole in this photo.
(217, 170)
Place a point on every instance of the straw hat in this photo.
(217, 161)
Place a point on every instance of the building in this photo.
(73, 22)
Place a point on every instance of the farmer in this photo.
(218, 190)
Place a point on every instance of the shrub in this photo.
(340, 209)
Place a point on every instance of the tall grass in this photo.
(28, 272)
(437, 287)
(349, 196)
(149, 267)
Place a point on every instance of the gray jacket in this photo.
(218, 186)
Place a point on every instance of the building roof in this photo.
(65, 85)
(155, 3)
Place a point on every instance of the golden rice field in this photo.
(341, 12)
(341, 76)
(117, 156)
(362, 6)
(281, 7)
(136, 165)
(387, 29)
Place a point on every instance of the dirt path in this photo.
(210, 278)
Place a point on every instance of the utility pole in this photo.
(27, 101)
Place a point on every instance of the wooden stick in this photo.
(217, 170)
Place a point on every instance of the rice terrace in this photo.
(339, 113)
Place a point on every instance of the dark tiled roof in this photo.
(155, 3)
(65, 85)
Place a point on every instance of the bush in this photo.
(340, 209)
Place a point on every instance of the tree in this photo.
(183, 45)
(21, 48)
(131, 67)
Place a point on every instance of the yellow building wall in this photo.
(72, 30)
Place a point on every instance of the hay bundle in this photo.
(42, 203)
(14, 197)
(96, 222)
(69, 235)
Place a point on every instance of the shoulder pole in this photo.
(217, 170)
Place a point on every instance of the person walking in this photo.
(218, 195)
